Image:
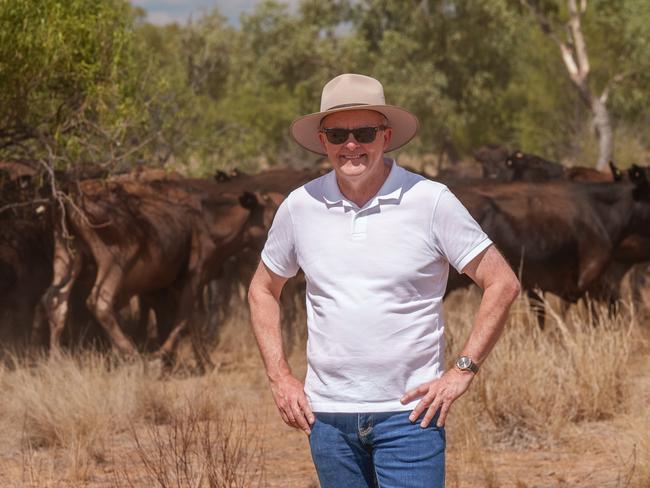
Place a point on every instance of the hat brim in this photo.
(404, 124)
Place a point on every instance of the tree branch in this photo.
(10, 206)
(578, 41)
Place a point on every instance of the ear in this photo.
(388, 135)
(321, 138)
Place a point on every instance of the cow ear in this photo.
(616, 173)
(636, 174)
(248, 200)
(221, 176)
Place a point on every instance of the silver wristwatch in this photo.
(465, 363)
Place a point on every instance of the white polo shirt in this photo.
(375, 277)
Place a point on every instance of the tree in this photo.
(447, 60)
(80, 84)
(620, 51)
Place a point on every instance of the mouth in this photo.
(351, 157)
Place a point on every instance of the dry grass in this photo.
(73, 418)
(75, 406)
(536, 382)
(192, 452)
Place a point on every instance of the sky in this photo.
(162, 12)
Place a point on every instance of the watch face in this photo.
(464, 362)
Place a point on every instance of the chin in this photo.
(353, 169)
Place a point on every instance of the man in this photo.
(375, 242)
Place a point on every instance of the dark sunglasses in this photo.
(364, 135)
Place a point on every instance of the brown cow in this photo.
(25, 273)
(144, 238)
(280, 181)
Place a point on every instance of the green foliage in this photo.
(63, 64)
(433, 60)
(82, 80)
(546, 111)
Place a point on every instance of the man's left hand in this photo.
(438, 394)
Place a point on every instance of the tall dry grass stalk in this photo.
(639, 464)
(196, 453)
(536, 383)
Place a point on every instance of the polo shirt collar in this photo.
(389, 193)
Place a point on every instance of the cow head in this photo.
(640, 177)
(492, 159)
(262, 207)
(221, 176)
(520, 166)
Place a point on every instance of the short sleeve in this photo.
(454, 232)
(279, 253)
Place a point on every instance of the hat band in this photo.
(346, 105)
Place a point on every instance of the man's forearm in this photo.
(490, 319)
(288, 391)
(265, 320)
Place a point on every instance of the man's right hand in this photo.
(289, 395)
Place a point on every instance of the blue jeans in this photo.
(382, 450)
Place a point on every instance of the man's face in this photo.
(353, 158)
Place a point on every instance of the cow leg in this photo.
(168, 349)
(101, 303)
(150, 320)
(186, 320)
(538, 307)
(638, 276)
(55, 304)
(147, 321)
(199, 336)
(593, 263)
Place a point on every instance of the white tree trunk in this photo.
(604, 133)
(576, 60)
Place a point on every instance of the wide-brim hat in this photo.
(354, 92)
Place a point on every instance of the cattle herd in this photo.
(136, 260)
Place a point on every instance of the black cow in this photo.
(559, 236)
(520, 166)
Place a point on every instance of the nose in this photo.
(351, 144)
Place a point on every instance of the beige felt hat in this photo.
(354, 92)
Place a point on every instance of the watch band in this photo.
(465, 363)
